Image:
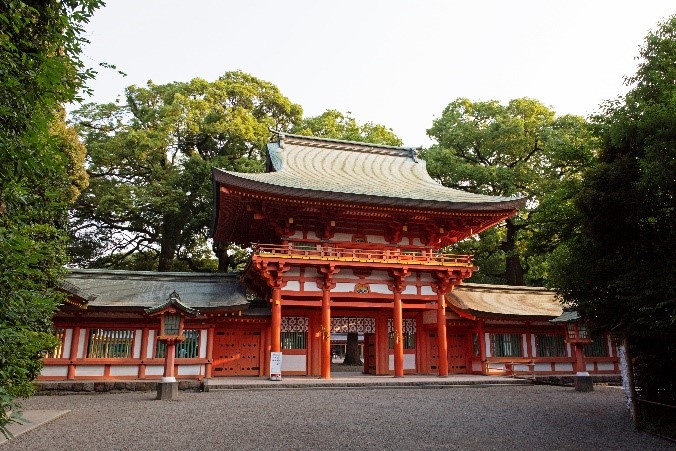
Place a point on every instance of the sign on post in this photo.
(275, 366)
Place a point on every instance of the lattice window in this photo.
(57, 352)
(110, 344)
(476, 345)
(506, 345)
(408, 325)
(344, 325)
(548, 345)
(597, 348)
(408, 329)
(302, 246)
(294, 340)
(294, 324)
(186, 349)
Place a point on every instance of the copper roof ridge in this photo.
(345, 143)
(103, 272)
(489, 286)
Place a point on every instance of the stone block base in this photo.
(584, 383)
(167, 391)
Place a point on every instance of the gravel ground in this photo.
(489, 417)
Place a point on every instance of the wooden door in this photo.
(434, 353)
(457, 353)
(369, 353)
(236, 353)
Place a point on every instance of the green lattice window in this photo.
(110, 344)
(506, 345)
(548, 345)
(187, 349)
(294, 340)
(597, 348)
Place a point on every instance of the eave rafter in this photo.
(258, 217)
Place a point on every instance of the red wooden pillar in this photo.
(482, 347)
(276, 320)
(74, 344)
(326, 284)
(144, 353)
(210, 352)
(398, 336)
(397, 286)
(442, 342)
(580, 366)
(169, 375)
(326, 334)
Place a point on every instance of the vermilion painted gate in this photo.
(236, 353)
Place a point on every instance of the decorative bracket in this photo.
(326, 282)
(272, 272)
(398, 275)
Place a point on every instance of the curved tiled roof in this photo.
(326, 169)
(504, 300)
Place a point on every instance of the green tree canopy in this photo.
(336, 125)
(618, 265)
(518, 149)
(149, 203)
(40, 161)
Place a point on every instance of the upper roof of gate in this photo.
(333, 170)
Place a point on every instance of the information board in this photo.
(275, 366)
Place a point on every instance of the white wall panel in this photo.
(137, 343)
(190, 370)
(89, 370)
(124, 370)
(294, 362)
(54, 371)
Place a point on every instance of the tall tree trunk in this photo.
(352, 354)
(171, 231)
(514, 271)
(221, 251)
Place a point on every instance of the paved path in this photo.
(416, 418)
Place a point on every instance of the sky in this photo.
(397, 63)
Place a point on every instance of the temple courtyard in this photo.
(473, 416)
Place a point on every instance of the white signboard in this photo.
(275, 366)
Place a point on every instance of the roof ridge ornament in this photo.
(414, 154)
(174, 300)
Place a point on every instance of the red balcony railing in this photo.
(320, 252)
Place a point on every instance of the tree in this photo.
(40, 43)
(336, 125)
(149, 203)
(518, 149)
(617, 267)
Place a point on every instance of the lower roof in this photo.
(484, 300)
(146, 289)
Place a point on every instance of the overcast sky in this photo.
(398, 63)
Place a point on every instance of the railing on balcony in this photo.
(399, 256)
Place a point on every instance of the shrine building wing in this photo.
(318, 175)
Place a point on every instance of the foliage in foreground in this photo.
(617, 269)
(41, 163)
